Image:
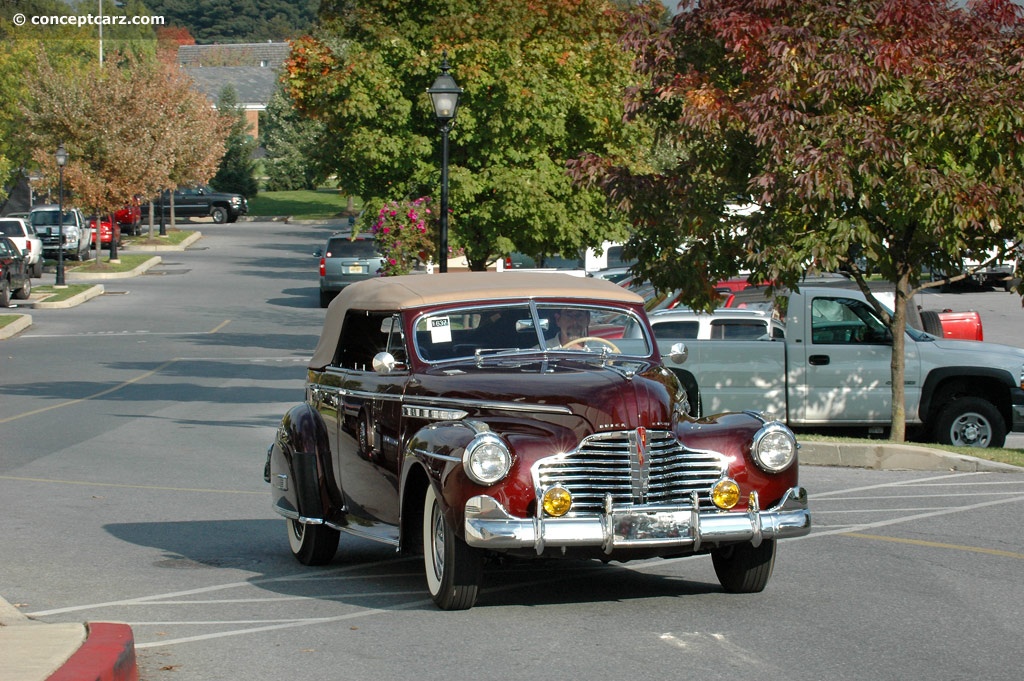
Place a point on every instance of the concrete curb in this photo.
(185, 243)
(890, 456)
(92, 276)
(22, 322)
(77, 299)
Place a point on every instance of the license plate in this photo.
(355, 269)
(652, 527)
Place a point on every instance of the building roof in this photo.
(254, 86)
(261, 55)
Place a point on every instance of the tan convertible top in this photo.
(416, 290)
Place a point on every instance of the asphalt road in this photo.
(133, 431)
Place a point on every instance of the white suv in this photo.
(26, 239)
(722, 324)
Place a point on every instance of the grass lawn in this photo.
(6, 319)
(302, 204)
(57, 294)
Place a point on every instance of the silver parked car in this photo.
(344, 260)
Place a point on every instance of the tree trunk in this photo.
(897, 363)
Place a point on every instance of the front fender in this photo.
(300, 465)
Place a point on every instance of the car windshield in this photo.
(43, 218)
(463, 332)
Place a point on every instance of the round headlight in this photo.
(487, 459)
(774, 447)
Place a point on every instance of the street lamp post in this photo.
(444, 94)
(62, 159)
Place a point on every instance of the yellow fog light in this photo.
(725, 494)
(557, 501)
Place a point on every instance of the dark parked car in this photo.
(345, 260)
(472, 416)
(15, 279)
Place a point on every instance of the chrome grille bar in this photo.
(610, 463)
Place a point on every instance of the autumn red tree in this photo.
(120, 144)
(888, 130)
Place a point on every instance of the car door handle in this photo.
(818, 360)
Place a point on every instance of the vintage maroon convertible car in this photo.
(467, 416)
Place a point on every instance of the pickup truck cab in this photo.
(46, 221)
(201, 202)
(833, 370)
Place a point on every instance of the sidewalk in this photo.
(104, 651)
(35, 651)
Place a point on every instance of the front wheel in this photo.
(219, 214)
(5, 293)
(312, 544)
(454, 570)
(970, 422)
(744, 568)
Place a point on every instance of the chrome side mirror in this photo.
(678, 353)
(384, 363)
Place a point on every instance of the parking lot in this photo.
(135, 429)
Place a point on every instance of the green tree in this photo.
(886, 128)
(237, 171)
(238, 21)
(542, 83)
(291, 141)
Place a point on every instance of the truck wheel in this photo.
(931, 323)
(312, 544)
(744, 568)
(219, 214)
(454, 570)
(970, 422)
(25, 291)
(37, 269)
(5, 293)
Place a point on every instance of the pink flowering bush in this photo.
(404, 232)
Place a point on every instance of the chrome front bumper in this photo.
(489, 526)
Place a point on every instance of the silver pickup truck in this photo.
(832, 369)
(45, 220)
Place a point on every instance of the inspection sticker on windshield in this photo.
(440, 330)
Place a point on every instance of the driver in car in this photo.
(572, 324)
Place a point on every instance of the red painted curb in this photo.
(108, 654)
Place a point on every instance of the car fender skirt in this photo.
(489, 526)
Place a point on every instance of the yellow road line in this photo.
(101, 393)
(937, 545)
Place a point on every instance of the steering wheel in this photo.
(583, 339)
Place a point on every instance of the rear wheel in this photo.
(37, 268)
(744, 568)
(454, 570)
(970, 422)
(312, 544)
(25, 291)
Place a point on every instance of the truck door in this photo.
(846, 376)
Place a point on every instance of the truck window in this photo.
(844, 321)
(738, 329)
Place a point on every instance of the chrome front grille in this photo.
(634, 467)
